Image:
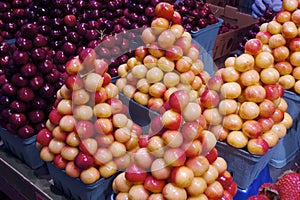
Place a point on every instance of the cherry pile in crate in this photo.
(72, 26)
(29, 81)
(168, 60)
(251, 112)
(280, 38)
(258, 79)
(88, 133)
(49, 33)
(177, 159)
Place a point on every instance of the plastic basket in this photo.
(293, 101)
(206, 38)
(138, 113)
(263, 177)
(288, 147)
(74, 189)
(23, 149)
(244, 166)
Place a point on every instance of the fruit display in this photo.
(280, 38)
(48, 34)
(88, 133)
(268, 16)
(168, 61)
(252, 105)
(29, 81)
(177, 159)
(286, 187)
(251, 110)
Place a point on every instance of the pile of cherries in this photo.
(49, 33)
(226, 27)
(29, 81)
(12, 17)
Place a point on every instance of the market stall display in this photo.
(86, 78)
(121, 99)
(88, 136)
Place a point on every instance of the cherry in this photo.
(23, 44)
(25, 94)
(20, 57)
(18, 106)
(73, 37)
(8, 89)
(17, 120)
(36, 82)
(18, 80)
(53, 77)
(70, 20)
(45, 66)
(29, 30)
(4, 48)
(36, 116)
(69, 48)
(29, 69)
(26, 132)
(40, 40)
(39, 103)
(47, 91)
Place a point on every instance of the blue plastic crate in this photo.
(293, 101)
(23, 149)
(206, 38)
(288, 147)
(75, 189)
(263, 177)
(244, 166)
(138, 113)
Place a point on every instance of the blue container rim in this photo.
(25, 141)
(208, 28)
(291, 95)
(88, 186)
(244, 153)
